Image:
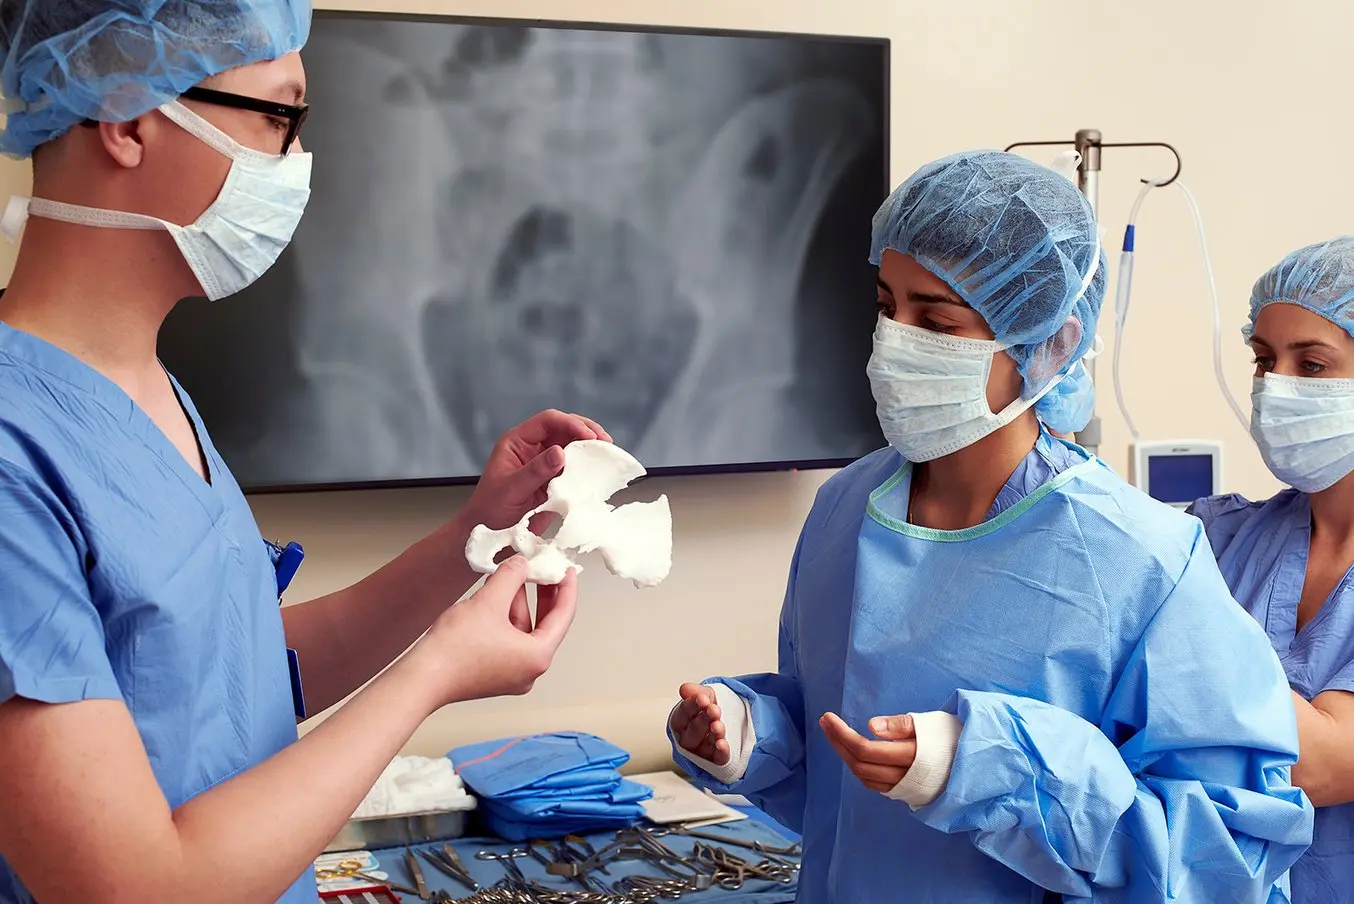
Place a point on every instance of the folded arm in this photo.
(1190, 800)
(1325, 768)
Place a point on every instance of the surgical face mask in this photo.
(1304, 427)
(237, 238)
(930, 390)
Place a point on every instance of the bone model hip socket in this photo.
(635, 539)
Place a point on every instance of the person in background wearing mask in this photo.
(1066, 703)
(150, 749)
(1288, 559)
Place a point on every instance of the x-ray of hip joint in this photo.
(664, 232)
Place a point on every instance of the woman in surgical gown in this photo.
(1065, 702)
(1288, 559)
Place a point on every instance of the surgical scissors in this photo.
(352, 869)
(507, 861)
(345, 869)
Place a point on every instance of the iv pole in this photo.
(1088, 144)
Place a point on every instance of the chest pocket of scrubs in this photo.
(189, 660)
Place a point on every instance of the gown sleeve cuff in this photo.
(937, 741)
(738, 731)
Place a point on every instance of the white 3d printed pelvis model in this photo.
(635, 540)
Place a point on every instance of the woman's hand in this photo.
(697, 724)
(880, 765)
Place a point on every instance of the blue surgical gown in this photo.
(128, 577)
(1127, 731)
(1262, 552)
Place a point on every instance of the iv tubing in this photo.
(1123, 296)
(1123, 292)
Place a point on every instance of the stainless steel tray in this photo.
(399, 831)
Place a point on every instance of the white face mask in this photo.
(930, 390)
(1304, 427)
(237, 238)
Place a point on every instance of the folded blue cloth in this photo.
(494, 768)
(510, 828)
(550, 785)
(625, 799)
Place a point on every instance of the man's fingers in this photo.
(555, 609)
(542, 469)
(596, 428)
(554, 427)
(507, 579)
(519, 613)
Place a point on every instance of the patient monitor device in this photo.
(1178, 471)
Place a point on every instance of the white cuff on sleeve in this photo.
(738, 731)
(937, 740)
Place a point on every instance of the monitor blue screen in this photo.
(1180, 478)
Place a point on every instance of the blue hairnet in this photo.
(1319, 278)
(67, 61)
(1016, 241)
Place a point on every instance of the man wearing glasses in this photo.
(149, 684)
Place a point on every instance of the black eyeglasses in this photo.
(294, 114)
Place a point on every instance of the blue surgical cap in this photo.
(1319, 278)
(1018, 243)
(67, 61)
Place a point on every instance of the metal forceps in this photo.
(579, 850)
(732, 871)
(421, 887)
(507, 861)
(793, 850)
(578, 853)
(639, 844)
(448, 862)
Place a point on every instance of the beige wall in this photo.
(1253, 99)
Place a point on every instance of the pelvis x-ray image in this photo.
(665, 232)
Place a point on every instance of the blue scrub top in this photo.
(1262, 549)
(128, 577)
